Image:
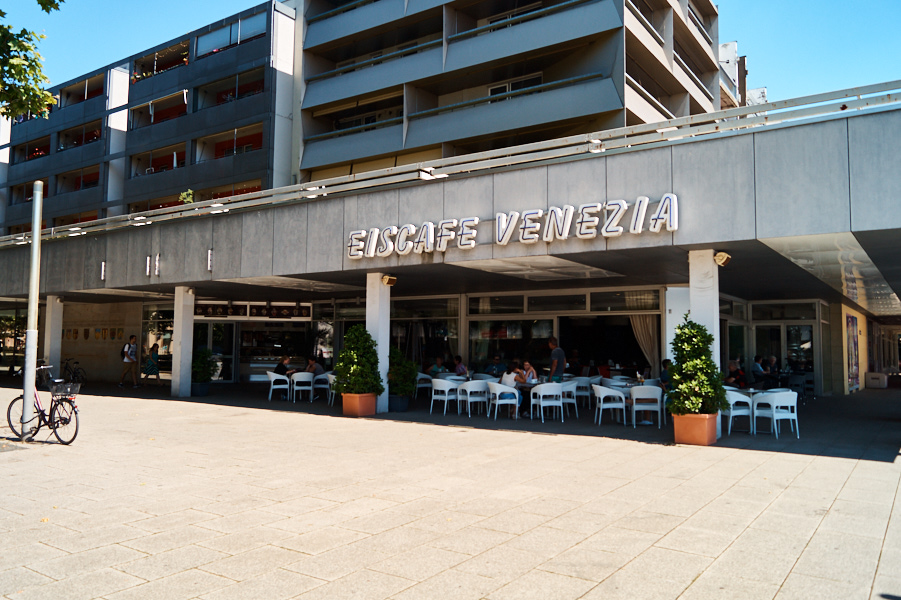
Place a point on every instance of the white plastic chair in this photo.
(652, 382)
(608, 399)
(320, 382)
(778, 406)
(570, 395)
(548, 395)
(472, 391)
(443, 391)
(646, 398)
(331, 388)
(423, 381)
(739, 406)
(499, 394)
(301, 383)
(277, 382)
(583, 390)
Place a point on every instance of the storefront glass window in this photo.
(421, 340)
(156, 328)
(426, 307)
(494, 305)
(784, 312)
(567, 303)
(509, 339)
(626, 301)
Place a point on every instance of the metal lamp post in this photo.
(31, 328)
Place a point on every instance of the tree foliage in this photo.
(357, 367)
(21, 77)
(697, 385)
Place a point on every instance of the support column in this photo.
(53, 334)
(704, 300)
(182, 342)
(378, 323)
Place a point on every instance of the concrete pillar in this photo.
(53, 334)
(704, 299)
(378, 323)
(676, 304)
(182, 342)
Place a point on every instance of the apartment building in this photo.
(201, 112)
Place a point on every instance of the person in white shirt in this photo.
(130, 361)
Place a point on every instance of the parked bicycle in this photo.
(73, 373)
(61, 418)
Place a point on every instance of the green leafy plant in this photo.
(21, 75)
(186, 197)
(203, 366)
(697, 385)
(401, 374)
(357, 367)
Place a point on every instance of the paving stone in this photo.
(585, 562)
(278, 584)
(87, 561)
(719, 585)
(322, 540)
(805, 587)
(361, 585)
(420, 564)
(840, 557)
(540, 585)
(80, 587)
(19, 578)
(187, 584)
(171, 562)
(450, 585)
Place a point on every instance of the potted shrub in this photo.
(203, 367)
(697, 394)
(401, 381)
(357, 376)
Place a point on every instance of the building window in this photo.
(158, 161)
(79, 136)
(230, 143)
(75, 219)
(31, 150)
(514, 85)
(231, 35)
(230, 89)
(81, 91)
(77, 180)
(24, 192)
(161, 61)
(158, 111)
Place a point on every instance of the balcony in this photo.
(161, 61)
(24, 193)
(157, 161)
(77, 180)
(237, 87)
(232, 35)
(159, 111)
(77, 137)
(81, 91)
(31, 150)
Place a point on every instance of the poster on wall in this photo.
(853, 356)
(75, 334)
(120, 333)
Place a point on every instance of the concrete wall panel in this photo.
(576, 183)
(289, 241)
(94, 256)
(139, 248)
(416, 205)
(875, 170)
(471, 197)
(714, 181)
(198, 242)
(520, 190)
(117, 259)
(325, 237)
(637, 174)
(802, 180)
(172, 251)
(227, 240)
(256, 252)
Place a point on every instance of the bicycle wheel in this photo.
(14, 418)
(79, 375)
(64, 421)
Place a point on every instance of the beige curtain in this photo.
(645, 329)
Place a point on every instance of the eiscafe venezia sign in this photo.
(528, 227)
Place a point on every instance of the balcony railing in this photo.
(357, 129)
(529, 16)
(341, 9)
(691, 75)
(700, 25)
(536, 89)
(644, 21)
(633, 83)
(374, 61)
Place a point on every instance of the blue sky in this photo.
(794, 47)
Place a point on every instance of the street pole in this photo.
(31, 328)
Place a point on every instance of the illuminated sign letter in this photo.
(528, 231)
(405, 246)
(467, 237)
(638, 213)
(355, 246)
(372, 240)
(504, 226)
(586, 226)
(667, 212)
(425, 241)
(386, 244)
(615, 211)
(557, 223)
(445, 234)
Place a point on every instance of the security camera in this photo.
(722, 259)
(389, 280)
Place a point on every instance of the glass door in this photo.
(219, 337)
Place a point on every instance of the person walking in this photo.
(558, 360)
(130, 361)
(152, 367)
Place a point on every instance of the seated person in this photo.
(665, 375)
(735, 377)
(459, 367)
(529, 372)
(314, 367)
(510, 378)
(282, 367)
(496, 368)
(438, 367)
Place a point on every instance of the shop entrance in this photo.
(592, 342)
(219, 337)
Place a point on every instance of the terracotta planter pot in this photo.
(698, 430)
(358, 405)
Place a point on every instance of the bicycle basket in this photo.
(64, 390)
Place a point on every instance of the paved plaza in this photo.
(233, 497)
